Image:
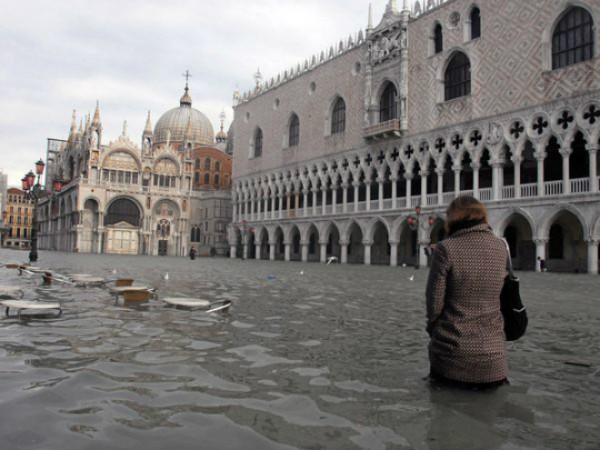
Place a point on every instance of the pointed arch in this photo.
(551, 215)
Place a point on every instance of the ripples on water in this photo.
(332, 359)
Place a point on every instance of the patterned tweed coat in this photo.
(463, 307)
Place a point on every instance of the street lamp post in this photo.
(4, 216)
(416, 223)
(33, 191)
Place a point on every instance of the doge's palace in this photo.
(499, 99)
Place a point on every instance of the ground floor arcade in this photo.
(565, 235)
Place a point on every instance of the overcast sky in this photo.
(60, 55)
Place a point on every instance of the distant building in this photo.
(499, 99)
(3, 190)
(18, 219)
(158, 199)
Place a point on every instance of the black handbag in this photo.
(511, 306)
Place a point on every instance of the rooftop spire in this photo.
(148, 127)
(188, 132)
(222, 116)
(258, 77)
(96, 121)
(73, 132)
(186, 99)
(370, 24)
(392, 6)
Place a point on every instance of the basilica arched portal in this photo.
(122, 224)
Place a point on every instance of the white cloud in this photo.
(63, 55)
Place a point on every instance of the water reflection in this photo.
(333, 358)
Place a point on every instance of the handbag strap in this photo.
(510, 266)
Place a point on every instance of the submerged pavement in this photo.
(310, 356)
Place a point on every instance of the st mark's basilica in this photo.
(162, 198)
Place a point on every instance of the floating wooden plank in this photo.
(21, 305)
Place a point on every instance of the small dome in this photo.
(221, 136)
(176, 121)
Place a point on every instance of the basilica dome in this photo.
(178, 120)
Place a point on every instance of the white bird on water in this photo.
(412, 278)
(114, 271)
(166, 276)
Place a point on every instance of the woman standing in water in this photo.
(468, 345)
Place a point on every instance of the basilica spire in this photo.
(186, 99)
(392, 6)
(189, 134)
(370, 23)
(148, 127)
(73, 132)
(96, 121)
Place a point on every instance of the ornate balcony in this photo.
(383, 130)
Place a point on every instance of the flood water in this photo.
(331, 358)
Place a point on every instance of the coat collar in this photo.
(482, 228)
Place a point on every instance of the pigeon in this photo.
(114, 271)
(412, 278)
(332, 259)
(302, 272)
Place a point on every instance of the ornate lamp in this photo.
(24, 184)
(57, 185)
(39, 167)
(30, 177)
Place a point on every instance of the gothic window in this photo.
(217, 180)
(438, 39)
(207, 164)
(197, 164)
(573, 38)
(457, 78)
(164, 229)
(338, 117)
(217, 166)
(294, 131)
(475, 23)
(197, 178)
(388, 105)
(207, 178)
(258, 143)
